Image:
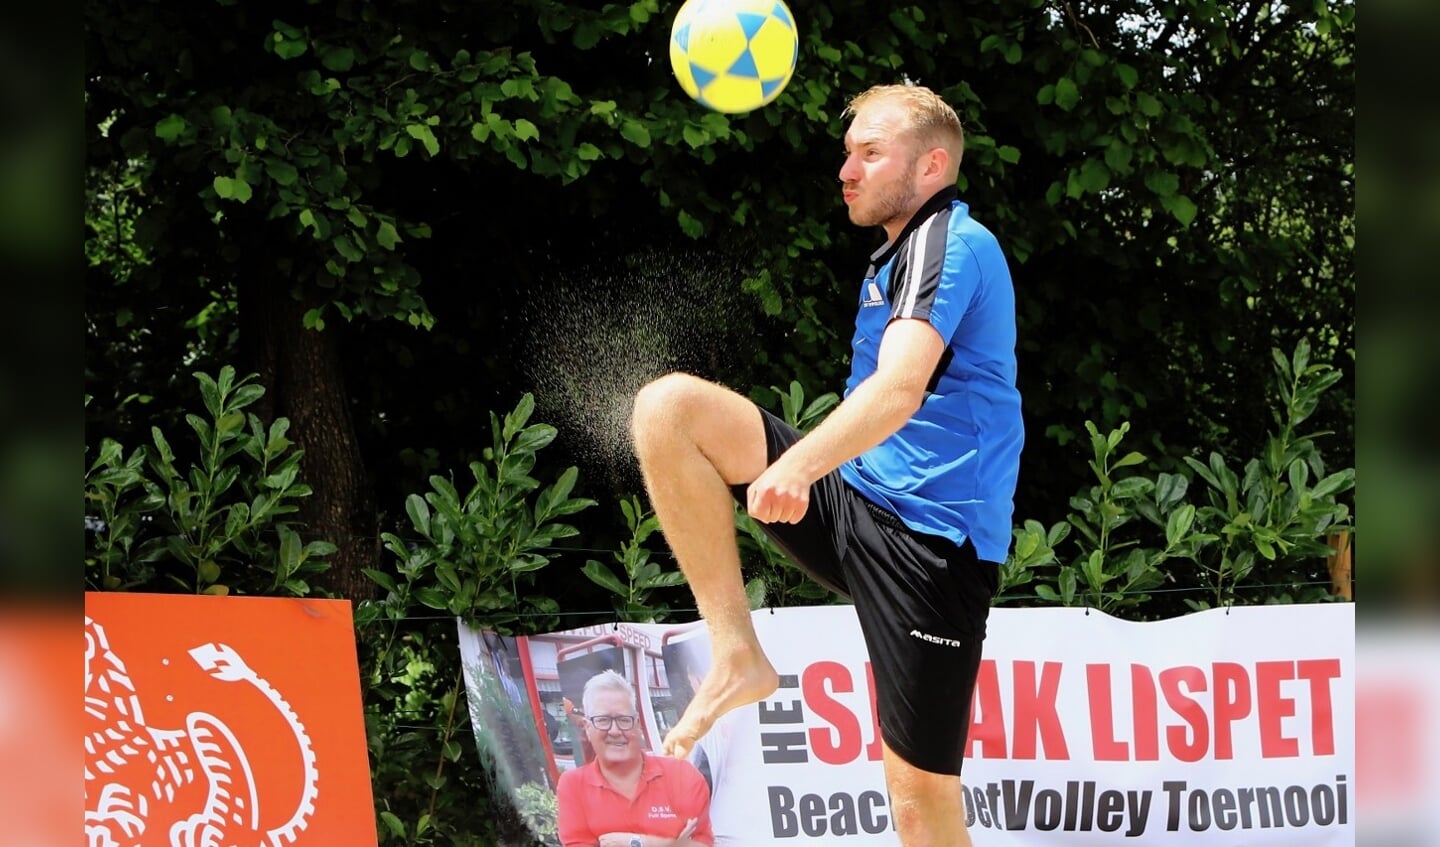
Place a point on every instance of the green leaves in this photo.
(796, 412)
(478, 551)
(232, 188)
(1135, 532)
(525, 130)
(640, 580)
(393, 824)
(1094, 176)
(170, 128)
(345, 245)
(689, 224)
(635, 132)
(338, 59)
(1166, 184)
(1009, 49)
(281, 171)
(386, 236)
(601, 576)
(1067, 93)
(1182, 207)
(1177, 526)
(1118, 156)
(286, 41)
(1163, 183)
(426, 136)
(219, 519)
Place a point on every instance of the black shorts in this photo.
(921, 601)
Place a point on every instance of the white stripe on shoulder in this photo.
(915, 268)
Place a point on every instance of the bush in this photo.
(213, 524)
(473, 556)
(1256, 538)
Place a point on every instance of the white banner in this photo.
(1223, 727)
(1397, 701)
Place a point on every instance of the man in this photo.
(901, 498)
(625, 798)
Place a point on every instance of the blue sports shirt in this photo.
(951, 469)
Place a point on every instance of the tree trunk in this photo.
(304, 381)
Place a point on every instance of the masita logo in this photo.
(935, 639)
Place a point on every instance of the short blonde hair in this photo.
(932, 121)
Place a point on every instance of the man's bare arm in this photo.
(875, 410)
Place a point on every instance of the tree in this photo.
(361, 203)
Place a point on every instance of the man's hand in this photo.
(573, 714)
(690, 824)
(622, 839)
(779, 495)
(873, 411)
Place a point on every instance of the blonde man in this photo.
(902, 498)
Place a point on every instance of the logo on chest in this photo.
(661, 813)
(873, 296)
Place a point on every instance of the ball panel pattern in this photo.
(773, 46)
(683, 73)
(733, 55)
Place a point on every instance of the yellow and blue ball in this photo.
(733, 55)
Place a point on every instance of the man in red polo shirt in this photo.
(626, 798)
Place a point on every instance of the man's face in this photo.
(613, 746)
(878, 177)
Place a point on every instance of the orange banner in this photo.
(38, 722)
(223, 720)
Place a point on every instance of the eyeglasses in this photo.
(624, 723)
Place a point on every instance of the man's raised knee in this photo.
(663, 398)
(679, 409)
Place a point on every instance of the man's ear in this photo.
(936, 162)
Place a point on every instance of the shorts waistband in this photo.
(885, 516)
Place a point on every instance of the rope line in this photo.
(608, 615)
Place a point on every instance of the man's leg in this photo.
(929, 808)
(908, 584)
(694, 440)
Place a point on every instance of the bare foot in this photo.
(738, 679)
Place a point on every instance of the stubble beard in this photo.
(895, 201)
